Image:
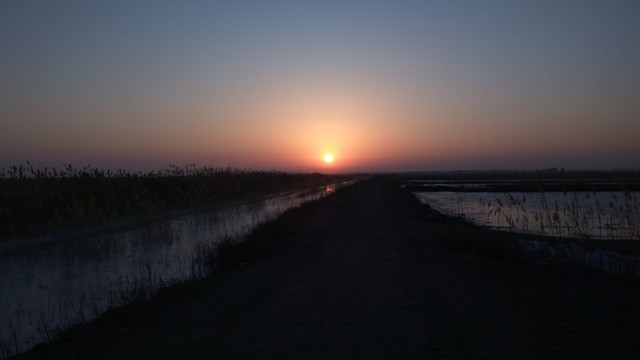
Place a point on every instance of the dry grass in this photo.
(37, 201)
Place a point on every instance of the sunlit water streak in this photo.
(54, 283)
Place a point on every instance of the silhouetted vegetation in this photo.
(620, 257)
(614, 218)
(34, 201)
(522, 181)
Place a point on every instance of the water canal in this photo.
(51, 283)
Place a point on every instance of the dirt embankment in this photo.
(366, 273)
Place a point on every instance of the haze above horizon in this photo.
(379, 85)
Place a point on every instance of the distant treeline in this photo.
(34, 201)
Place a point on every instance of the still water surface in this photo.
(601, 215)
(53, 283)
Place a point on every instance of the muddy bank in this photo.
(368, 273)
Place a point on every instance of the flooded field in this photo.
(50, 283)
(604, 223)
(588, 204)
(599, 215)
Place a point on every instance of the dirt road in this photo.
(362, 274)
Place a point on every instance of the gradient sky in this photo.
(382, 85)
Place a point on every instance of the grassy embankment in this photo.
(37, 201)
(141, 299)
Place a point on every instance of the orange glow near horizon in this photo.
(398, 87)
(362, 126)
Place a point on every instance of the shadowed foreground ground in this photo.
(364, 274)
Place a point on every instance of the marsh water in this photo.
(598, 215)
(53, 282)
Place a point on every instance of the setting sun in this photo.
(328, 158)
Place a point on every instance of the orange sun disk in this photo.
(328, 158)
